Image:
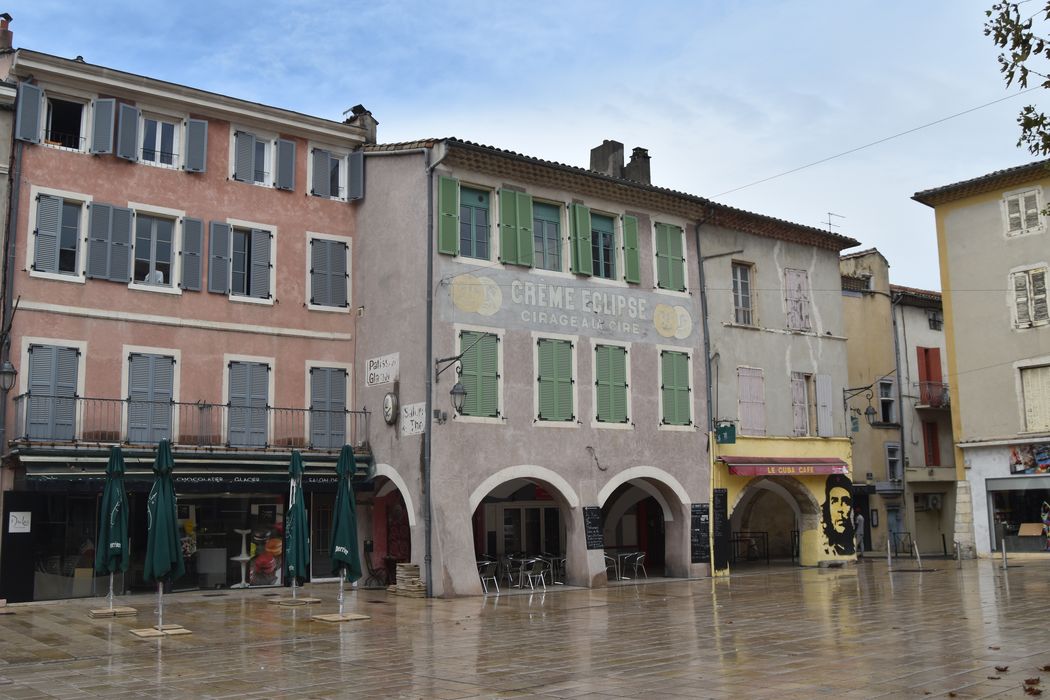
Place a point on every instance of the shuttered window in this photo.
(479, 373)
(150, 390)
(610, 381)
(800, 403)
(631, 267)
(1030, 304)
(674, 388)
(546, 231)
(670, 258)
(554, 380)
(328, 174)
(1023, 213)
(796, 296)
(474, 223)
(751, 400)
(160, 141)
(252, 158)
(1035, 386)
(52, 383)
(154, 250)
(57, 235)
(327, 407)
(247, 407)
(742, 309)
(516, 226)
(328, 272)
(250, 263)
(109, 242)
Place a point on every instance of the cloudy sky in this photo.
(723, 94)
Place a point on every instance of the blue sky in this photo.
(722, 94)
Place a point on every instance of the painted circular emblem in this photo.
(476, 295)
(684, 323)
(666, 320)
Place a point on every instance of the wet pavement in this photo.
(856, 632)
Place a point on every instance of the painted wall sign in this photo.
(382, 370)
(700, 533)
(19, 522)
(413, 416)
(1030, 459)
(592, 527)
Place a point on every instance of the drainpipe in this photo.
(9, 273)
(703, 313)
(894, 301)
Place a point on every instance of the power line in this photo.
(874, 143)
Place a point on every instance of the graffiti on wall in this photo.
(837, 516)
(1030, 459)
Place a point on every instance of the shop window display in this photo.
(1024, 518)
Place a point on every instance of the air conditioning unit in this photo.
(933, 501)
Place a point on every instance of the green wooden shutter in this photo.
(631, 267)
(581, 262)
(611, 382)
(479, 373)
(548, 403)
(508, 227)
(555, 380)
(448, 218)
(526, 246)
(602, 383)
(676, 258)
(675, 388)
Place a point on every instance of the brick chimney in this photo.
(360, 116)
(6, 35)
(608, 158)
(638, 169)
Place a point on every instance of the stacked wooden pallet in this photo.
(118, 611)
(408, 582)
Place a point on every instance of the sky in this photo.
(722, 94)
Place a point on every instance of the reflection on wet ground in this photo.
(857, 632)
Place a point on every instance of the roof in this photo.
(985, 183)
(504, 162)
(913, 296)
(861, 254)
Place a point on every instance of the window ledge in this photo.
(879, 424)
(57, 276)
(141, 287)
(608, 282)
(603, 425)
(677, 428)
(251, 300)
(742, 326)
(59, 147)
(555, 423)
(484, 420)
(672, 292)
(328, 309)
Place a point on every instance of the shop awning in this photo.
(787, 466)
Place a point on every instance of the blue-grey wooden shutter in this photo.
(244, 156)
(48, 229)
(51, 410)
(150, 390)
(355, 176)
(285, 179)
(104, 114)
(120, 245)
(320, 284)
(322, 176)
(192, 239)
(237, 408)
(337, 273)
(196, 146)
(327, 407)
(128, 133)
(100, 218)
(247, 410)
(260, 264)
(219, 258)
(27, 118)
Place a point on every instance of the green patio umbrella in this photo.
(111, 545)
(163, 547)
(346, 560)
(296, 530)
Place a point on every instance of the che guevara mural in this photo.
(837, 516)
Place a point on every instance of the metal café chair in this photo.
(611, 565)
(639, 563)
(489, 572)
(535, 570)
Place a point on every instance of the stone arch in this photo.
(390, 473)
(629, 498)
(791, 489)
(640, 475)
(529, 472)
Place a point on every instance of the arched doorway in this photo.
(389, 539)
(769, 518)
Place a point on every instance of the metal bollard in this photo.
(958, 555)
(915, 549)
(889, 555)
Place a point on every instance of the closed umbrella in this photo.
(296, 533)
(111, 545)
(346, 560)
(163, 548)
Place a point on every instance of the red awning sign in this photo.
(784, 466)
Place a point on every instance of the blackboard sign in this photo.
(700, 533)
(720, 528)
(592, 526)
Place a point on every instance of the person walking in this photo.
(858, 527)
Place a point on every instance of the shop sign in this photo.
(700, 533)
(725, 434)
(19, 522)
(413, 418)
(382, 370)
(1030, 459)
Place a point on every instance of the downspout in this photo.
(9, 273)
(707, 334)
(894, 301)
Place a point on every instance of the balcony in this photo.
(933, 395)
(53, 421)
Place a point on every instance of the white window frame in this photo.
(495, 239)
(616, 280)
(685, 259)
(271, 383)
(692, 390)
(349, 368)
(892, 398)
(176, 377)
(23, 377)
(85, 202)
(1019, 368)
(457, 329)
(310, 236)
(1011, 295)
(1019, 194)
(574, 340)
(241, 298)
(595, 423)
(750, 292)
(160, 115)
(85, 100)
(343, 155)
(176, 247)
(564, 240)
(890, 476)
(271, 154)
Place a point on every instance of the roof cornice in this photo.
(1000, 179)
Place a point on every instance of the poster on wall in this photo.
(1030, 459)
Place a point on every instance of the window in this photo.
(154, 242)
(547, 236)
(479, 373)
(931, 443)
(742, 312)
(151, 381)
(610, 381)
(253, 158)
(670, 257)
(327, 407)
(65, 123)
(1029, 292)
(893, 461)
(329, 277)
(887, 401)
(1023, 213)
(751, 399)
(249, 390)
(52, 390)
(796, 294)
(160, 140)
(240, 261)
(935, 319)
(57, 235)
(675, 390)
(1035, 389)
(603, 247)
(800, 393)
(555, 379)
(328, 174)
(474, 223)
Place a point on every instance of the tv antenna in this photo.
(829, 223)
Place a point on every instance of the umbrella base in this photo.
(118, 611)
(340, 617)
(161, 631)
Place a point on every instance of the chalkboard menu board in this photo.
(720, 527)
(592, 526)
(700, 533)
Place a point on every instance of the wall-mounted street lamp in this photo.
(8, 373)
(870, 414)
(458, 394)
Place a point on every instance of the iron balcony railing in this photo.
(934, 394)
(55, 419)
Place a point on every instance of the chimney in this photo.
(638, 169)
(363, 118)
(6, 35)
(608, 158)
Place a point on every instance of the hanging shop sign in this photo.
(382, 370)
